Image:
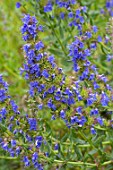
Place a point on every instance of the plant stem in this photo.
(105, 46)
(99, 128)
(106, 163)
(11, 72)
(7, 157)
(76, 163)
(63, 49)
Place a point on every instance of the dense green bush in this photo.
(57, 57)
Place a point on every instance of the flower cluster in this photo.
(77, 101)
(13, 130)
(109, 7)
(61, 97)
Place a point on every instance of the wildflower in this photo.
(48, 7)
(45, 73)
(39, 45)
(62, 114)
(56, 147)
(18, 5)
(26, 161)
(34, 157)
(33, 123)
(99, 39)
(93, 131)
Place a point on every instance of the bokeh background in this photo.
(11, 56)
(11, 59)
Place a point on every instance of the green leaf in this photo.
(99, 140)
(78, 152)
(56, 52)
(65, 137)
(61, 32)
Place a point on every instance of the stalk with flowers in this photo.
(64, 126)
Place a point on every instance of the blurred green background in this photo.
(11, 56)
(11, 59)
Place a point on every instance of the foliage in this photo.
(63, 119)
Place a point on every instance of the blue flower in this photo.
(4, 146)
(88, 34)
(38, 141)
(39, 57)
(81, 19)
(104, 99)
(3, 96)
(34, 157)
(70, 15)
(56, 147)
(13, 143)
(58, 95)
(18, 4)
(26, 48)
(51, 89)
(62, 15)
(94, 112)
(84, 9)
(95, 29)
(51, 105)
(48, 7)
(26, 19)
(40, 106)
(33, 123)
(92, 76)
(40, 28)
(72, 2)
(96, 86)
(3, 83)
(31, 54)
(111, 13)
(79, 109)
(11, 152)
(10, 127)
(100, 121)
(51, 59)
(108, 4)
(93, 131)
(39, 45)
(45, 73)
(78, 12)
(82, 121)
(62, 114)
(18, 151)
(3, 112)
(99, 38)
(93, 45)
(109, 57)
(26, 161)
(74, 120)
(53, 117)
(14, 106)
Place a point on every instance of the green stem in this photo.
(99, 128)
(105, 46)
(11, 72)
(86, 145)
(107, 163)
(84, 137)
(63, 49)
(64, 162)
(80, 146)
(100, 66)
(76, 163)
(7, 157)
